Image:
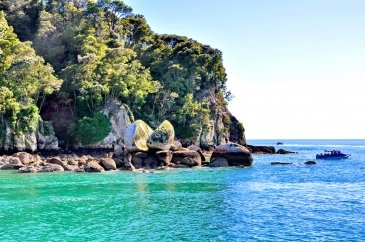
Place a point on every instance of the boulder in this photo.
(52, 168)
(108, 164)
(24, 157)
(57, 161)
(163, 137)
(197, 149)
(186, 157)
(136, 136)
(13, 163)
(165, 156)
(93, 166)
(235, 154)
(176, 145)
(73, 161)
(71, 168)
(219, 162)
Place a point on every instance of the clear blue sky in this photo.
(296, 68)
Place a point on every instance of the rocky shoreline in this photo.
(142, 150)
(105, 160)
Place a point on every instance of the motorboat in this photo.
(332, 155)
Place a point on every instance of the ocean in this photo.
(322, 202)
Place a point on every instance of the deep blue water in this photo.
(324, 202)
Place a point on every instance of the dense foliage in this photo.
(25, 81)
(102, 50)
(90, 130)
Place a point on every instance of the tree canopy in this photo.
(102, 50)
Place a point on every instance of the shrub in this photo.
(90, 130)
(27, 119)
(240, 128)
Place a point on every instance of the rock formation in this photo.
(235, 154)
(136, 136)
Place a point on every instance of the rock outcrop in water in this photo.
(231, 154)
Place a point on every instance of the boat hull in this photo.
(332, 157)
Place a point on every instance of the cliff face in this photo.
(42, 139)
(222, 127)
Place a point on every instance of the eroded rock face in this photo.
(30, 141)
(188, 158)
(136, 136)
(163, 137)
(235, 154)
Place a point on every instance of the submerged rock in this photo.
(235, 154)
(310, 162)
(136, 136)
(285, 152)
(163, 137)
(281, 163)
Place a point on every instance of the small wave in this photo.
(72, 199)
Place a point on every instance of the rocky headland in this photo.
(141, 149)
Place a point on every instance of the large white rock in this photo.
(136, 136)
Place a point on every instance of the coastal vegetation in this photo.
(62, 61)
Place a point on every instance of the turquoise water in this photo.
(325, 202)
